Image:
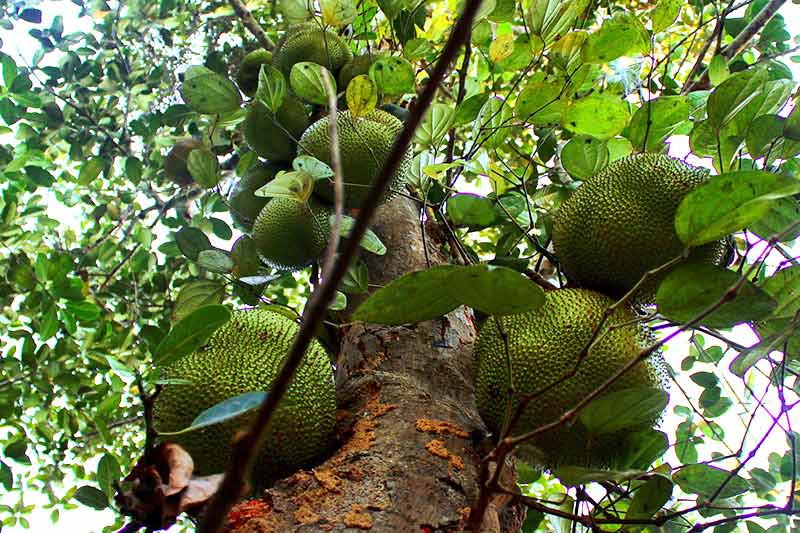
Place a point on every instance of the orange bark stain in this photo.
(441, 427)
(328, 479)
(436, 447)
(306, 516)
(358, 518)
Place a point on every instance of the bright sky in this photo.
(21, 45)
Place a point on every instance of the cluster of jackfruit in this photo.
(615, 227)
(292, 234)
(245, 355)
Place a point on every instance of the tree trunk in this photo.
(410, 434)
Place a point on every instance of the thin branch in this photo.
(251, 24)
(245, 447)
(750, 31)
(338, 175)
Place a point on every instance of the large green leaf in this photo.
(706, 480)
(208, 92)
(494, 290)
(197, 294)
(650, 497)
(731, 97)
(584, 156)
(690, 289)
(625, 409)
(471, 210)
(728, 203)
(656, 120)
(190, 333)
(601, 115)
(621, 34)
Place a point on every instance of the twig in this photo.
(338, 176)
(244, 448)
(750, 31)
(251, 24)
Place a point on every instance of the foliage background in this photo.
(93, 269)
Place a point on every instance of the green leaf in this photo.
(393, 76)
(306, 79)
(780, 221)
(338, 12)
(583, 156)
(84, 311)
(361, 95)
(339, 302)
(204, 167)
(642, 448)
(541, 104)
(601, 115)
(244, 255)
(224, 411)
(209, 93)
(6, 476)
(728, 203)
(108, 474)
(752, 355)
(784, 286)
(90, 170)
(91, 497)
(190, 333)
(733, 95)
(495, 290)
(9, 67)
(197, 294)
(370, 242)
(493, 124)
(650, 498)
(192, 241)
(215, 261)
(619, 35)
(572, 476)
(48, 325)
(665, 14)
(271, 89)
(410, 298)
(656, 120)
(718, 70)
(313, 166)
(435, 124)
(625, 409)
(297, 185)
(692, 288)
(705, 481)
(791, 128)
(476, 212)
(549, 19)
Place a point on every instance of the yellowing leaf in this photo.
(361, 95)
(338, 12)
(295, 185)
(502, 46)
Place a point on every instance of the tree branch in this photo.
(245, 447)
(251, 24)
(750, 31)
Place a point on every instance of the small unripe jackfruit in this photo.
(175, 165)
(364, 145)
(290, 234)
(309, 42)
(247, 76)
(273, 136)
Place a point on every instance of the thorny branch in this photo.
(245, 447)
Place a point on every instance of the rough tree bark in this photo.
(407, 459)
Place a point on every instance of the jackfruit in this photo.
(620, 223)
(244, 205)
(364, 146)
(247, 75)
(543, 346)
(289, 234)
(273, 136)
(309, 42)
(175, 163)
(245, 355)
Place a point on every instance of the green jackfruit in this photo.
(243, 356)
(247, 75)
(364, 146)
(175, 162)
(245, 206)
(309, 42)
(289, 234)
(543, 346)
(274, 137)
(621, 223)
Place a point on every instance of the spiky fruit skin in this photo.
(247, 75)
(266, 133)
(245, 355)
(364, 145)
(543, 346)
(175, 162)
(290, 235)
(620, 224)
(244, 204)
(309, 42)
